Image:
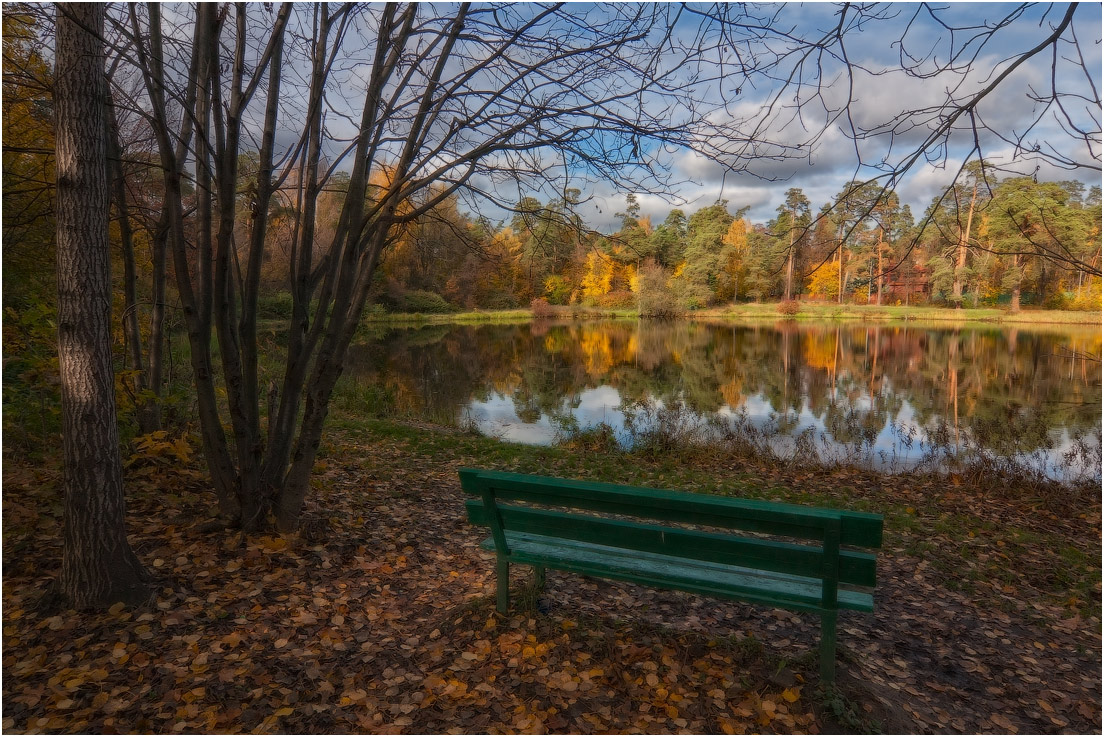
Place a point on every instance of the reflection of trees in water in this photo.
(1012, 386)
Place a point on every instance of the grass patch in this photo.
(472, 316)
(813, 311)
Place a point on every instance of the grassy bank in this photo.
(831, 311)
(469, 316)
(809, 311)
(520, 315)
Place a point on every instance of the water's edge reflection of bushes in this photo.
(656, 430)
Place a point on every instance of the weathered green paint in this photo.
(798, 521)
(855, 568)
(819, 576)
(668, 572)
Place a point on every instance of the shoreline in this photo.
(758, 312)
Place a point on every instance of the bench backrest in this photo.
(497, 495)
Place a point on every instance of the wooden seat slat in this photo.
(798, 521)
(672, 572)
(856, 568)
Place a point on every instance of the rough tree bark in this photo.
(98, 566)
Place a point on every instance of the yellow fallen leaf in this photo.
(284, 711)
(792, 694)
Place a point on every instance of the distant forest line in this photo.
(983, 242)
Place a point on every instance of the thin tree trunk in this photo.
(195, 303)
(1015, 306)
(790, 259)
(963, 241)
(881, 275)
(147, 384)
(131, 329)
(908, 284)
(839, 261)
(303, 336)
(98, 566)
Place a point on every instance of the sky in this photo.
(878, 98)
(880, 93)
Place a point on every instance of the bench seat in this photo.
(674, 572)
(767, 553)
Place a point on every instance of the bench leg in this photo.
(828, 647)
(502, 573)
(538, 577)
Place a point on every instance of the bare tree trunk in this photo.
(1015, 306)
(98, 566)
(839, 260)
(790, 260)
(908, 283)
(963, 241)
(194, 294)
(881, 275)
(148, 380)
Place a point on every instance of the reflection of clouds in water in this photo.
(886, 405)
(497, 417)
(599, 405)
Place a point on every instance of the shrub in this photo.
(1090, 296)
(789, 308)
(422, 301)
(541, 309)
(618, 300)
(274, 306)
(655, 298)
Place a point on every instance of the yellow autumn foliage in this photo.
(824, 282)
(598, 276)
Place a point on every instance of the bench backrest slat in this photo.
(856, 529)
(855, 568)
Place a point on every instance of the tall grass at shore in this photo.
(832, 311)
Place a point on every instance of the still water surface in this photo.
(887, 391)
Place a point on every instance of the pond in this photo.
(886, 396)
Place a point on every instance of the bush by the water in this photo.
(619, 300)
(655, 299)
(423, 301)
(541, 309)
(789, 308)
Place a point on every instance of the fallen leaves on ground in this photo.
(382, 621)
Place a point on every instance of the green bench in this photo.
(818, 575)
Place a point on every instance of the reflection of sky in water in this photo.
(497, 417)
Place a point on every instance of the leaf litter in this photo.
(379, 618)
